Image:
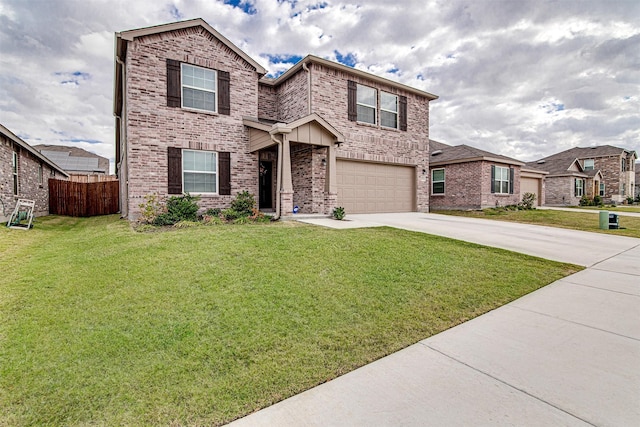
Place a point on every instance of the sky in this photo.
(520, 78)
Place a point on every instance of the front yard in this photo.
(199, 326)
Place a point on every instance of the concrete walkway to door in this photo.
(567, 354)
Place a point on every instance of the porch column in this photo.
(331, 180)
(286, 192)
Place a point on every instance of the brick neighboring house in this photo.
(77, 162)
(604, 170)
(24, 174)
(637, 193)
(465, 177)
(196, 114)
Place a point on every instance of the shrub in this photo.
(597, 200)
(585, 201)
(528, 199)
(164, 219)
(230, 214)
(212, 212)
(151, 208)
(338, 213)
(183, 208)
(629, 200)
(244, 203)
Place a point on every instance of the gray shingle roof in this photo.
(443, 154)
(559, 163)
(74, 159)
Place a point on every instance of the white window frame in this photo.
(215, 173)
(498, 182)
(579, 186)
(197, 88)
(434, 181)
(601, 189)
(384, 110)
(590, 166)
(373, 106)
(14, 173)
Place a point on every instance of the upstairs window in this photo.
(437, 181)
(198, 88)
(589, 164)
(624, 165)
(367, 105)
(388, 110)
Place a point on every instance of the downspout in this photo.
(123, 138)
(278, 176)
(305, 68)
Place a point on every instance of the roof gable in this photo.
(7, 133)
(130, 35)
(441, 154)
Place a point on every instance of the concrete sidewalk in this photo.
(567, 354)
(619, 211)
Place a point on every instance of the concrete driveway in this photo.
(567, 354)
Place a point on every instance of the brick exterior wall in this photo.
(293, 98)
(267, 102)
(614, 177)
(468, 186)
(372, 142)
(560, 191)
(28, 185)
(152, 126)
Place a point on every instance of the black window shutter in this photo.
(575, 187)
(493, 178)
(173, 83)
(352, 101)
(224, 93)
(174, 167)
(512, 175)
(224, 169)
(403, 113)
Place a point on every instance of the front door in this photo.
(266, 185)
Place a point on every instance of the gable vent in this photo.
(435, 153)
(541, 161)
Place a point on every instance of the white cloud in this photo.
(502, 69)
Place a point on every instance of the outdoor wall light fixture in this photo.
(324, 162)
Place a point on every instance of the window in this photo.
(388, 110)
(601, 189)
(502, 180)
(623, 189)
(14, 170)
(198, 88)
(367, 104)
(40, 174)
(199, 171)
(589, 164)
(624, 165)
(437, 181)
(579, 187)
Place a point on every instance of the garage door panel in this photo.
(530, 185)
(375, 187)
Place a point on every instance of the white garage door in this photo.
(375, 187)
(530, 185)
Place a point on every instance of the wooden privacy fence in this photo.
(83, 198)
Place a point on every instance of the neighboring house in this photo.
(604, 170)
(24, 174)
(196, 114)
(465, 177)
(637, 180)
(74, 160)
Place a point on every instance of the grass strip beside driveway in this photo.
(585, 221)
(102, 325)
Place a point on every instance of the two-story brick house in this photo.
(196, 114)
(24, 174)
(604, 170)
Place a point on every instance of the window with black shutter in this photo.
(174, 167)
(197, 88)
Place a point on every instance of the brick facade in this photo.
(30, 168)
(468, 186)
(150, 127)
(560, 191)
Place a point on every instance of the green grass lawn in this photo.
(586, 221)
(101, 325)
(623, 208)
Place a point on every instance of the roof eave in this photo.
(31, 150)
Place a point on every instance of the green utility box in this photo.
(604, 220)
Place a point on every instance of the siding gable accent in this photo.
(403, 113)
(173, 84)
(174, 167)
(224, 92)
(352, 100)
(224, 168)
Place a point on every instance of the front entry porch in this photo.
(297, 165)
